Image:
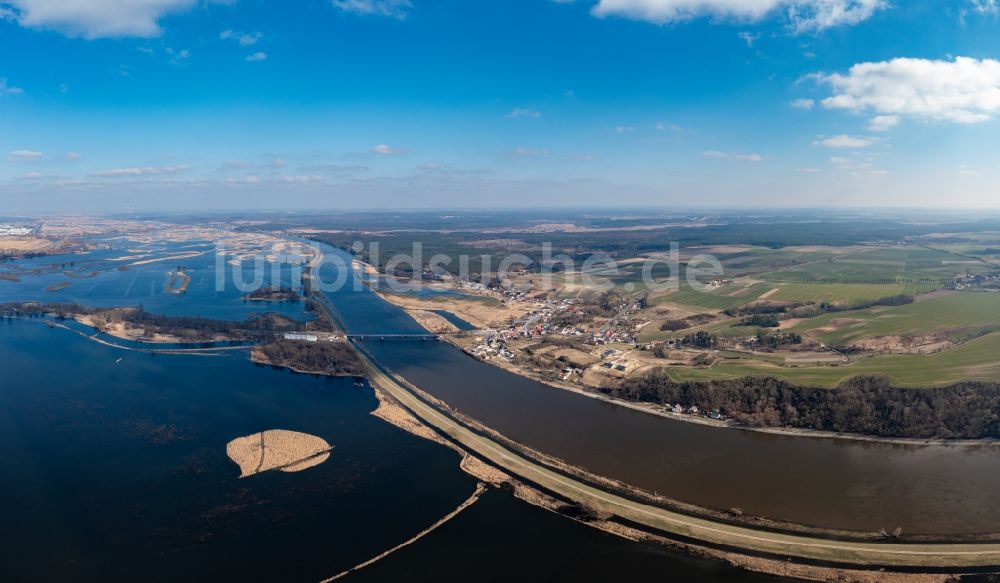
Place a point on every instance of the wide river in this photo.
(113, 463)
(113, 467)
(834, 483)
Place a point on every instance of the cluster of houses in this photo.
(620, 329)
(9, 230)
(534, 324)
(570, 372)
(315, 336)
(718, 283)
(976, 280)
(493, 346)
(614, 360)
(493, 288)
(692, 410)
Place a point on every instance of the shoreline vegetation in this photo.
(332, 358)
(273, 294)
(658, 410)
(864, 405)
(136, 324)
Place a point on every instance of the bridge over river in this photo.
(394, 336)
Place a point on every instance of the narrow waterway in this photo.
(834, 483)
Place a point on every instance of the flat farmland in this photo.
(842, 293)
(723, 298)
(974, 361)
(949, 312)
(882, 265)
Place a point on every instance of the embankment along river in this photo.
(822, 482)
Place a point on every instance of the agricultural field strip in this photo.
(974, 360)
(949, 312)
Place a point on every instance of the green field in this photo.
(951, 312)
(883, 265)
(762, 260)
(721, 299)
(842, 293)
(975, 360)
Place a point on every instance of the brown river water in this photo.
(824, 482)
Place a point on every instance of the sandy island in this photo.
(277, 449)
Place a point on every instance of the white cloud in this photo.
(518, 112)
(24, 156)
(808, 170)
(245, 39)
(391, 8)
(384, 150)
(6, 89)
(235, 165)
(883, 123)
(733, 156)
(528, 153)
(95, 18)
(749, 38)
(844, 141)
(664, 126)
(73, 156)
(858, 166)
(985, 6)
(802, 15)
(802, 103)
(141, 171)
(817, 15)
(177, 56)
(624, 129)
(256, 57)
(964, 90)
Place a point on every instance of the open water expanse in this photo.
(113, 467)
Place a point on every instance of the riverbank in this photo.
(703, 530)
(660, 411)
(323, 357)
(123, 331)
(481, 312)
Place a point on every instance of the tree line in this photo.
(865, 405)
(333, 358)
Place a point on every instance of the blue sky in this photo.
(111, 105)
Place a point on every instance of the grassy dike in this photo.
(957, 556)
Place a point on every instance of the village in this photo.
(971, 281)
